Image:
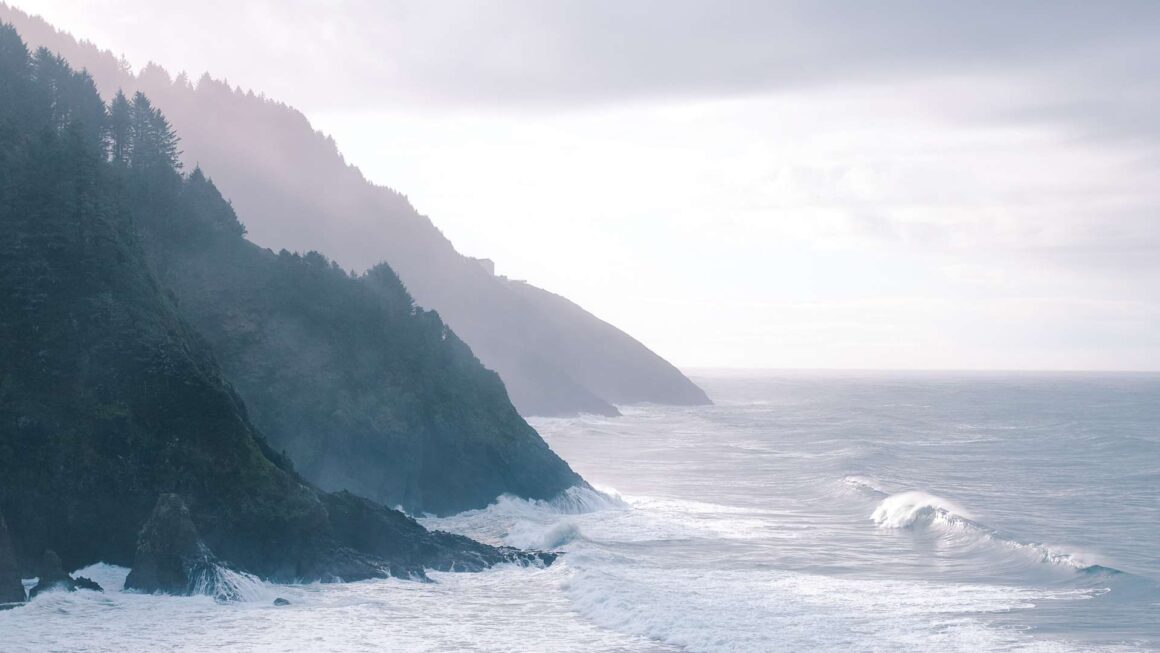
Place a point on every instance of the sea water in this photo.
(803, 512)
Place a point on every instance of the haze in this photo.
(906, 185)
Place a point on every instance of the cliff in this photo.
(108, 399)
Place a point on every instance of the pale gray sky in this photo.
(757, 184)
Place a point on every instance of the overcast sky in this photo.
(745, 184)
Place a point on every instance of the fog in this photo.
(762, 185)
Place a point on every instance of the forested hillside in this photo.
(295, 191)
(108, 399)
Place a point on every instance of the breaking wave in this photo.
(918, 510)
(225, 584)
(532, 523)
(906, 509)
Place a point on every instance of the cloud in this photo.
(525, 52)
(771, 176)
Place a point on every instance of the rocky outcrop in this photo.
(11, 587)
(407, 549)
(171, 557)
(368, 541)
(52, 576)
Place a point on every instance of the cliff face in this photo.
(360, 388)
(108, 399)
(295, 191)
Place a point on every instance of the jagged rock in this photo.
(84, 583)
(11, 589)
(171, 557)
(281, 601)
(52, 576)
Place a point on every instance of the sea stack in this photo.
(52, 576)
(170, 558)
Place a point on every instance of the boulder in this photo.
(52, 576)
(83, 583)
(281, 602)
(171, 557)
(11, 589)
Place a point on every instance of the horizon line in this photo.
(729, 368)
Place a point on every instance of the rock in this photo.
(52, 576)
(83, 583)
(171, 557)
(11, 589)
(281, 601)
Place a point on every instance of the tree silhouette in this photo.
(120, 129)
(153, 138)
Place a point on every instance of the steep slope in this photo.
(360, 388)
(296, 192)
(109, 400)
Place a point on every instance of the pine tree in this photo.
(154, 141)
(120, 129)
(15, 89)
(71, 97)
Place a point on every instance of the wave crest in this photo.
(225, 584)
(920, 510)
(906, 509)
(578, 500)
(531, 523)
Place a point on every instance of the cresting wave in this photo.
(920, 510)
(577, 500)
(225, 584)
(532, 524)
(906, 509)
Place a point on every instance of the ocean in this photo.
(805, 511)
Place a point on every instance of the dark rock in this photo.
(281, 601)
(171, 557)
(83, 583)
(11, 589)
(52, 576)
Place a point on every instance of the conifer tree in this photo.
(71, 97)
(120, 129)
(154, 141)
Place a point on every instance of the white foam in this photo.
(711, 611)
(906, 509)
(509, 608)
(224, 584)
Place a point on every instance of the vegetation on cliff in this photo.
(294, 190)
(108, 399)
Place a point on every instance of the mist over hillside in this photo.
(294, 190)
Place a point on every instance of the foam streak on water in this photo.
(804, 512)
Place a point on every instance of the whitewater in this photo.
(821, 511)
